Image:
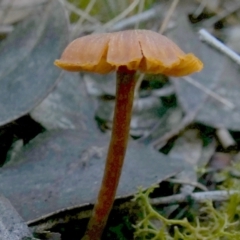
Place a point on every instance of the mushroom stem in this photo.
(116, 152)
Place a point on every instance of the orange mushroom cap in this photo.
(142, 50)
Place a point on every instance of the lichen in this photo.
(218, 223)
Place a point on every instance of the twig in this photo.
(184, 182)
(148, 136)
(141, 17)
(209, 92)
(211, 40)
(164, 91)
(80, 12)
(138, 85)
(219, 195)
(225, 138)
(87, 10)
(79, 23)
(168, 16)
(5, 29)
(22, 4)
(6, 11)
(119, 17)
(130, 21)
(200, 8)
(140, 9)
(209, 23)
(188, 119)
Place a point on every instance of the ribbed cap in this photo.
(143, 50)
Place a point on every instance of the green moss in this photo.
(220, 223)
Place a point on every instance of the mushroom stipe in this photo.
(124, 52)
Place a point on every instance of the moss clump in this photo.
(220, 223)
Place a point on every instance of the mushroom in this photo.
(124, 52)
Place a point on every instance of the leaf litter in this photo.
(41, 157)
(220, 74)
(12, 225)
(53, 173)
(25, 80)
(68, 106)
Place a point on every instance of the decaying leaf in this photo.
(146, 113)
(12, 11)
(207, 153)
(189, 148)
(98, 84)
(27, 73)
(220, 74)
(12, 225)
(68, 107)
(61, 169)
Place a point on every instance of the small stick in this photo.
(200, 197)
(184, 182)
(212, 41)
(164, 91)
(225, 138)
(223, 134)
(6, 29)
(209, 92)
(79, 12)
(119, 17)
(200, 8)
(81, 20)
(188, 119)
(138, 85)
(141, 17)
(140, 9)
(168, 16)
(221, 15)
(6, 11)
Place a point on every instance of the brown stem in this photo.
(116, 153)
